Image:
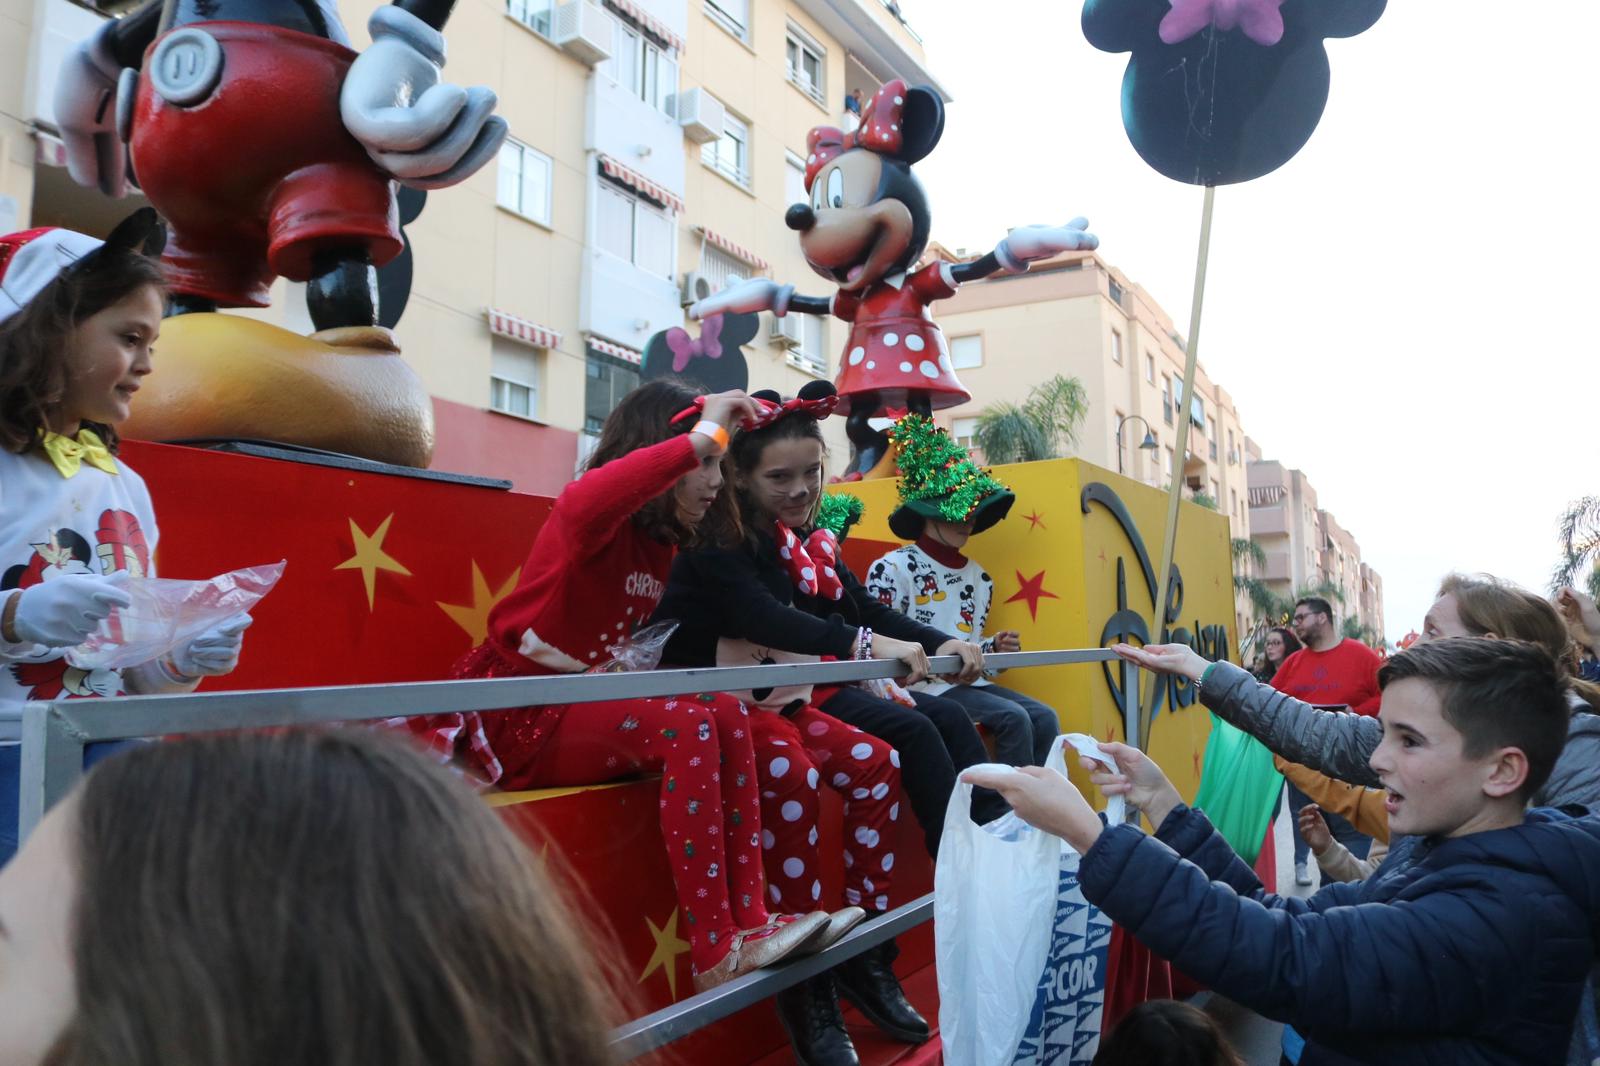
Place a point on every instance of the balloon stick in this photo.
(1186, 401)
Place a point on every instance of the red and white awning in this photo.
(611, 348)
(516, 328)
(638, 14)
(49, 150)
(738, 251)
(638, 182)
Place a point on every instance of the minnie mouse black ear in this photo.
(817, 390)
(141, 232)
(769, 395)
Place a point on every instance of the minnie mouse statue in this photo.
(865, 228)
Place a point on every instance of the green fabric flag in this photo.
(1239, 787)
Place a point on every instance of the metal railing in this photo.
(55, 734)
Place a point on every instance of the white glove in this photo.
(423, 132)
(214, 652)
(757, 294)
(86, 113)
(1025, 244)
(62, 612)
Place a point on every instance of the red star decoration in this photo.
(1031, 592)
(1035, 520)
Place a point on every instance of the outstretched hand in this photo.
(1138, 780)
(756, 294)
(1027, 244)
(1045, 799)
(1177, 659)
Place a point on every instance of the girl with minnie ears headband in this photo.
(594, 573)
(78, 323)
(772, 587)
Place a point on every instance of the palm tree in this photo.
(1578, 532)
(1038, 428)
(1268, 607)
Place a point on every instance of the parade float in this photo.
(321, 443)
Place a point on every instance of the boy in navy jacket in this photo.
(1470, 948)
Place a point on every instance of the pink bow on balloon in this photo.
(685, 347)
(1260, 20)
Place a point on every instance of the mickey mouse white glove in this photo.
(757, 294)
(424, 132)
(1026, 244)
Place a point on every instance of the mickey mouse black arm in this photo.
(976, 270)
(130, 35)
(811, 305)
(434, 12)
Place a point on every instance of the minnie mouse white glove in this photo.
(62, 612)
(1026, 244)
(214, 652)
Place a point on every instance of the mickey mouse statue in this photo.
(268, 145)
(865, 228)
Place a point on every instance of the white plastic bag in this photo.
(994, 899)
(166, 614)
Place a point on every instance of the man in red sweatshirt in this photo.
(1328, 671)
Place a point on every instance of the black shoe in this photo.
(810, 1015)
(869, 982)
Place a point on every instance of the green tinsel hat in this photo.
(838, 512)
(938, 479)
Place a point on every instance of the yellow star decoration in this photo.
(370, 556)
(668, 948)
(474, 617)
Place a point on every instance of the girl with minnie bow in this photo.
(594, 573)
(78, 324)
(774, 588)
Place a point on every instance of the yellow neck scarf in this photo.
(69, 454)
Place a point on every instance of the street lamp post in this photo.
(1147, 445)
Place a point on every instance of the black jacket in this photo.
(745, 593)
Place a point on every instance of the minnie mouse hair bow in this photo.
(880, 131)
(771, 411)
(812, 563)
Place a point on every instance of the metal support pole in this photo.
(52, 763)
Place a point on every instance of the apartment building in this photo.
(1077, 315)
(1305, 546)
(655, 145)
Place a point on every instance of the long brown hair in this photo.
(34, 341)
(1486, 604)
(643, 418)
(325, 898)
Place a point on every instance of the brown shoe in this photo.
(839, 923)
(745, 955)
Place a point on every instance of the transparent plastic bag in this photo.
(640, 651)
(167, 613)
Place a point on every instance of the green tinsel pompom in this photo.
(933, 467)
(838, 512)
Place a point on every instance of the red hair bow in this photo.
(770, 412)
(812, 563)
(879, 131)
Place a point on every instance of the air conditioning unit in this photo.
(701, 116)
(583, 30)
(786, 331)
(696, 286)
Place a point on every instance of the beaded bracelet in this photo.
(864, 643)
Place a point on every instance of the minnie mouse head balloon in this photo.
(1223, 91)
(711, 362)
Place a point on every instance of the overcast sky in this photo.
(1398, 311)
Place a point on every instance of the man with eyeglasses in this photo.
(1332, 672)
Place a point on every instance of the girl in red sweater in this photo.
(596, 570)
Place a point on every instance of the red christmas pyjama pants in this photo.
(701, 745)
(794, 755)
